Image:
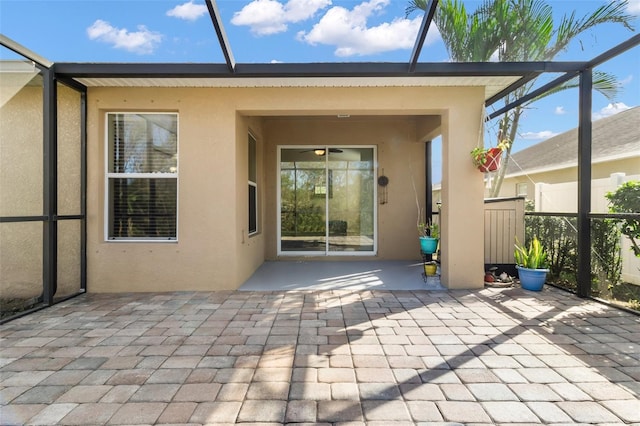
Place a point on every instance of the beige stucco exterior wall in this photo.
(21, 192)
(600, 170)
(398, 154)
(250, 250)
(462, 195)
(213, 251)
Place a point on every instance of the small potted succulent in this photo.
(532, 265)
(489, 159)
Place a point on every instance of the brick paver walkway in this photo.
(494, 356)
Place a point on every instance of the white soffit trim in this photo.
(492, 85)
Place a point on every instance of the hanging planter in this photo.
(488, 159)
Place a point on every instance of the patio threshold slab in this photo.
(318, 275)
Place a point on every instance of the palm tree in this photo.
(514, 31)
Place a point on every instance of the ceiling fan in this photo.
(322, 151)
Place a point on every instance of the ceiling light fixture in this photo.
(319, 152)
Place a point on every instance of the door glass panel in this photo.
(350, 201)
(302, 207)
(327, 200)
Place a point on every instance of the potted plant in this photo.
(430, 268)
(531, 263)
(429, 236)
(489, 159)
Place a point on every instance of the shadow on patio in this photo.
(488, 356)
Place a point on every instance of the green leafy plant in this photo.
(480, 156)
(428, 230)
(533, 256)
(559, 237)
(626, 199)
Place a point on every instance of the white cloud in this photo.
(266, 17)
(610, 110)
(545, 134)
(634, 7)
(348, 31)
(560, 110)
(188, 11)
(142, 41)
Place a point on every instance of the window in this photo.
(253, 187)
(142, 176)
(521, 189)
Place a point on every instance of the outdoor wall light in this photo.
(319, 152)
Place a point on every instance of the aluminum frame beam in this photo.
(585, 103)
(50, 188)
(427, 18)
(214, 13)
(280, 70)
(609, 54)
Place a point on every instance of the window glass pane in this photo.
(142, 208)
(253, 206)
(252, 160)
(143, 143)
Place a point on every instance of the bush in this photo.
(626, 199)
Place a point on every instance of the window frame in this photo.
(252, 184)
(519, 187)
(109, 176)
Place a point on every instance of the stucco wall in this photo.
(21, 192)
(213, 251)
(398, 154)
(599, 170)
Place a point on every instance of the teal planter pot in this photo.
(532, 279)
(428, 245)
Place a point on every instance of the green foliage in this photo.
(606, 259)
(533, 256)
(428, 230)
(634, 304)
(559, 236)
(519, 30)
(626, 199)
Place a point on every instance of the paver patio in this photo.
(492, 356)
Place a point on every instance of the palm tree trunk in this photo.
(511, 129)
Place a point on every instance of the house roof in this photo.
(613, 137)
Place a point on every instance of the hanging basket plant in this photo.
(489, 159)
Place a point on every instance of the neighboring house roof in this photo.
(613, 137)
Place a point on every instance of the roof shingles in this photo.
(616, 136)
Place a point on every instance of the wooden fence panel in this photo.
(503, 223)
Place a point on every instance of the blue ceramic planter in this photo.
(428, 245)
(532, 279)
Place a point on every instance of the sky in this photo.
(290, 31)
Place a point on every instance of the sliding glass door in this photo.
(327, 201)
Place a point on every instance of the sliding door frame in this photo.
(326, 252)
